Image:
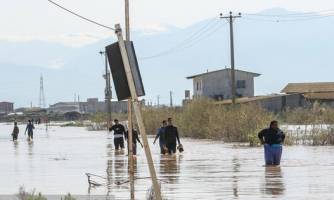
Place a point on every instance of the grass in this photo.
(204, 119)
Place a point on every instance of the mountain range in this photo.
(281, 45)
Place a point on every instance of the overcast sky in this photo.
(38, 19)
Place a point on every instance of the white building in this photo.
(218, 84)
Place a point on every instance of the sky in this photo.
(38, 20)
(23, 20)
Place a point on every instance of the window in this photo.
(198, 85)
(241, 84)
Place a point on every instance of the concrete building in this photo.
(218, 84)
(274, 103)
(322, 92)
(6, 107)
(92, 105)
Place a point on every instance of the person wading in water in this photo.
(161, 136)
(272, 138)
(15, 132)
(119, 132)
(30, 128)
(172, 136)
(135, 138)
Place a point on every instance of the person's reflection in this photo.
(236, 170)
(16, 148)
(30, 148)
(273, 182)
(170, 168)
(120, 167)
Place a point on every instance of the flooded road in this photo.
(57, 160)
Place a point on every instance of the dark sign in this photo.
(118, 70)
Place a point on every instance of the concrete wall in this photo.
(219, 84)
(281, 102)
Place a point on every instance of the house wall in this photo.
(219, 84)
(279, 103)
(6, 107)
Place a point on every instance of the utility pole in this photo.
(107, 91)
(42, 103)
(158, 101)
(171, 98)
(130, 125)
(230, 19)
(137, 111)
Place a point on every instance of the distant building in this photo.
(92, 105)
(218, 84)
(6, 107)
(322, 92)
(274, 102)
(64, 107)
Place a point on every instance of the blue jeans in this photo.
(272, 154)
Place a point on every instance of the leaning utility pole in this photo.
(107, 91)
(130, 124)
(137, 111)
(171, 98)
(230, 20)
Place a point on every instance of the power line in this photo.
(80, 16)
(288, 20)
(195, 38)
(292, 14)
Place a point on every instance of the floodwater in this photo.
(56, 163)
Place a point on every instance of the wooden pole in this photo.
(130, 123)
(137, 111)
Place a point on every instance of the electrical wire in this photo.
(292, 14)
(190, 41)
(290, 17)
(80, 16)
(288, 20)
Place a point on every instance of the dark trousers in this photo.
(14, 136)
(31, 134)
(119, 143)
(171, 148)
(272, 154)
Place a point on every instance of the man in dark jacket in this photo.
(171, 136)
(30, 128)
(15, 132)
(119, 131)
(272, 138)
(161, 136)
(135, 138)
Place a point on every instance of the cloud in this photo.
(56, 64)
(71, 40)
(152, 28)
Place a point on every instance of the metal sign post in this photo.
(137, 111)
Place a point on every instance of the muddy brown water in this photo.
(56, 163)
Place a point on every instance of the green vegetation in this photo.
(207, 119)
(316, 125)
(68, 197)
(23, 195)
(204, 119)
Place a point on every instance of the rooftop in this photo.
(251, 99)
(309, 87)
(320, 96)
(226, 69)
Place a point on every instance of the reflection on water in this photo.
(206, 170)
(169, 167)
(236, 168)
(273, 181)
(30, 148)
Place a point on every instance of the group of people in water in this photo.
(29, 128)
(272, 139)
(167, 134)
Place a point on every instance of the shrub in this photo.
(204, 118)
